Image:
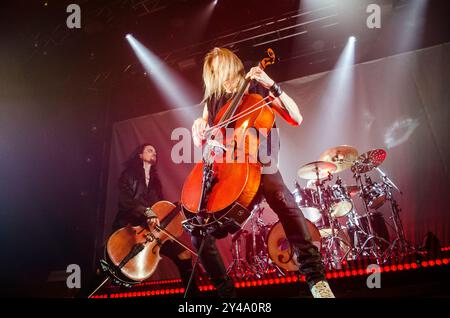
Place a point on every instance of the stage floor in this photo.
(415, 276)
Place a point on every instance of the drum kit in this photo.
(341, 232)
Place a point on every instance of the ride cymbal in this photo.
(342, 156)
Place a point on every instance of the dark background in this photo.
(61, 90)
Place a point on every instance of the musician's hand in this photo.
(198, 131)
(259, 75)
(152, 222)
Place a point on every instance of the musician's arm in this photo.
(287, 108)
(205, 113)
(284, 105)
(199, 126)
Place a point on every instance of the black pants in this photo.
(282, 202)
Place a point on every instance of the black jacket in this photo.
(135, 196)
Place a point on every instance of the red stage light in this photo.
(290, 278)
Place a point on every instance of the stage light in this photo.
(171, 86)
(410, 35)
(334, 118)
(128, 36)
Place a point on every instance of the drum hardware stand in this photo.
(239, 267)
(258, 259)
(353, 221)
(370, 236)
(259, 264)
(333, 247)
(400, 244)
(330, 241)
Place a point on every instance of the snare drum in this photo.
(339, 201)
(308, 203)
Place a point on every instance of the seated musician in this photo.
(223, 74)
(139, 188)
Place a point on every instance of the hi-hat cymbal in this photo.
(316, 168)
(369, 160)
(342, 156)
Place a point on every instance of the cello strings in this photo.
(237, 117)
(233, 118)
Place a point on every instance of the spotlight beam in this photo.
(172, 87)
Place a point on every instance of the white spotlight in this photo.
(173, 88)
(352, 39)
(128, 36)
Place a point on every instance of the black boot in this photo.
(225, 287)
(185, 269)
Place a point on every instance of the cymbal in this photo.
(342, 156)
(309, 171)
(369, 160)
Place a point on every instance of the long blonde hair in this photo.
(228, 68)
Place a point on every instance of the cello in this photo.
(132, 252)
(219, 190)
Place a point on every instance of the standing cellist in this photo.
(223, 74)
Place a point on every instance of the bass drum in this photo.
(280, 250)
